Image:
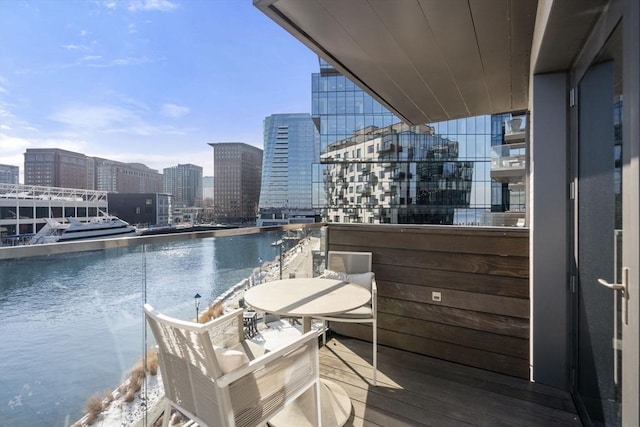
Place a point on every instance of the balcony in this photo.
(462, 359)
(508, 162)
(387, 148)
(514, 129)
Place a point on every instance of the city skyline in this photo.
(146, 81)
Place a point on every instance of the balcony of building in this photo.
(515, 129)
(390, 148)
(461, 357)
(508, 162)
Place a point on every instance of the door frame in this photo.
(627, 13)
(631, 211)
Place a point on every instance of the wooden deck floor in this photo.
(415, 390)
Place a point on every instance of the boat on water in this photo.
(101, 227)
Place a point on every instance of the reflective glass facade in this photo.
(291, 148)
(374, 169)
(340, 108)
(473, 135)
(508, 168)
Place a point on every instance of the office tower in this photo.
(53, 167)
(9, 174)
(291, 148)
(121, 177)
(237, 172)
(185, 183)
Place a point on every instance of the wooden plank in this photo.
(452, 402)
(469, 282)
(415, 410)
(493, 343)
(481, 274)
(351, 352)
(507, 306)
(510, 346)
(488, 322)
(459, 399)
(468, 241)
(470, 263)
(373, 416)
(448, 351)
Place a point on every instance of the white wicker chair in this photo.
(352, 266)
(193, 358)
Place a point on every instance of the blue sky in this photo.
(148, 81)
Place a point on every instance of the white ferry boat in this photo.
(100, 227)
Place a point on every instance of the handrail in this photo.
(14, 252)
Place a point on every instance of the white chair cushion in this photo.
(230, 360)
(362, 279)
(335, 275)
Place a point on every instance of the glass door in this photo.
(601, 300)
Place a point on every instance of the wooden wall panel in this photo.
(469, 282)
(482, 275)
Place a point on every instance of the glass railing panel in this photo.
(70, 328)
(508, 156)
(72, 319)
(515, 125)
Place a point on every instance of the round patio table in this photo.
(306, 298)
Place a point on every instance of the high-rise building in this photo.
(416, 170)
(185, 183)
(9, 174)
(291, 148)
(400, 174)
(53, 167)
(237, 171)
(120, 177)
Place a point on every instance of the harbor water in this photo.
(72, 325)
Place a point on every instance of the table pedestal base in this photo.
(334, 403)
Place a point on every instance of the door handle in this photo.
(623, 287)
(614, 286)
